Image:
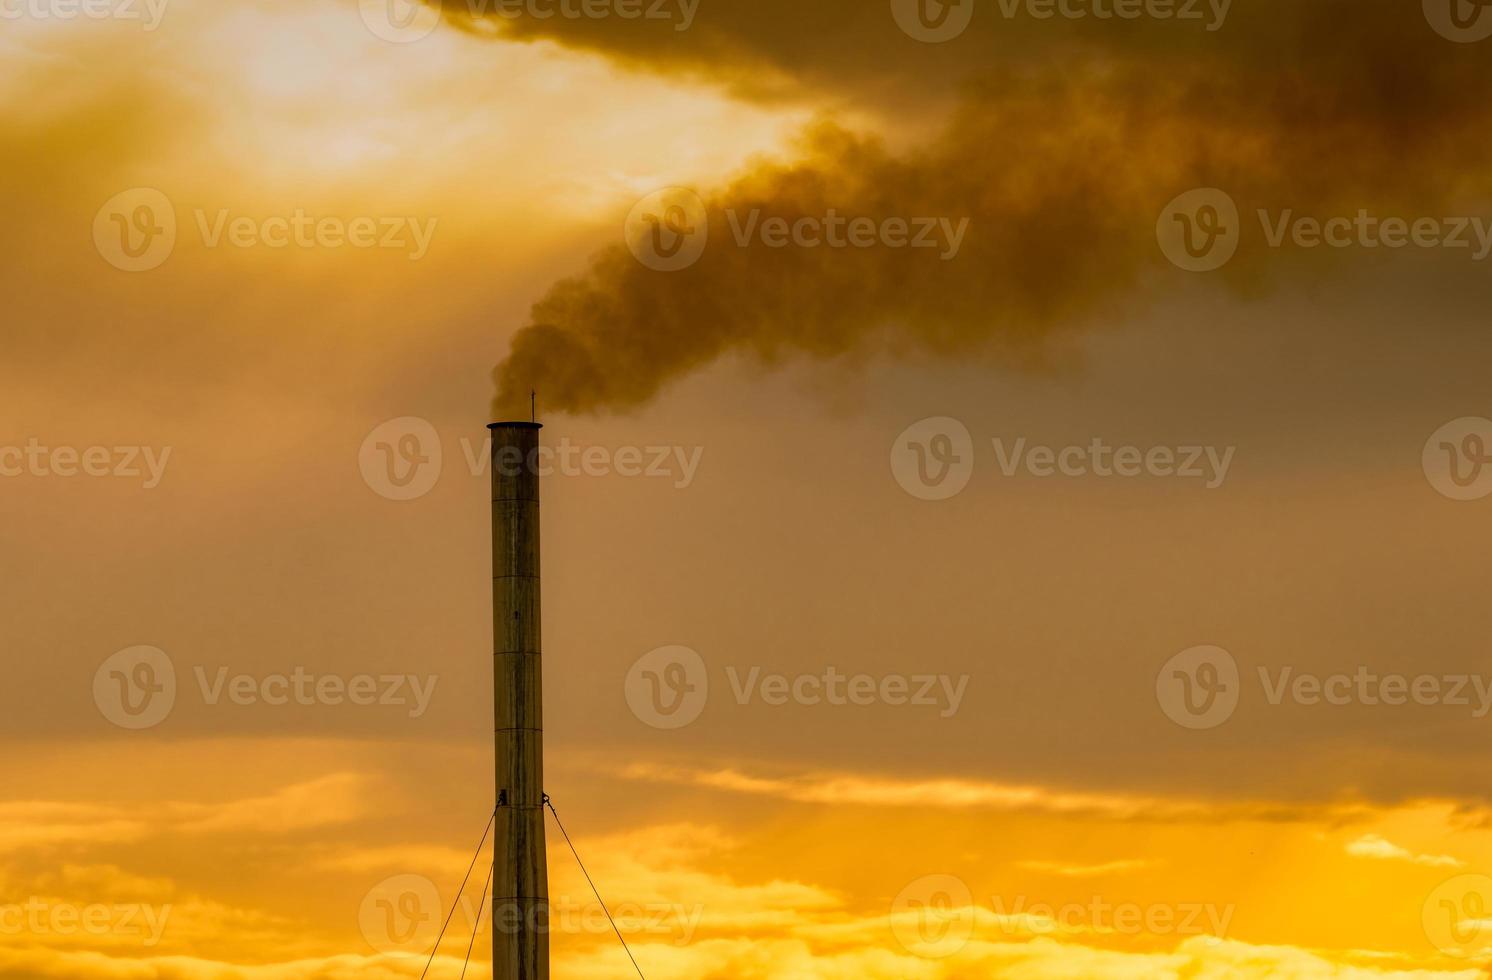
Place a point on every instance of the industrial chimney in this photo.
(520, 877)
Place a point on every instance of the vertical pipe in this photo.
(520, 882)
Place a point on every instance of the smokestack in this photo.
(520, 877)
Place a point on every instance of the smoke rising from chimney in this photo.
(1060, 172)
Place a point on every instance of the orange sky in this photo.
(1039, 813)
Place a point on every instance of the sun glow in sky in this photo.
(1038, 814)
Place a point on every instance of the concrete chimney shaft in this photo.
(520, 878)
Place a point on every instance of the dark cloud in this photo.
(1067, 142)
(783, 47)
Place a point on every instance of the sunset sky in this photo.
(256, 249)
